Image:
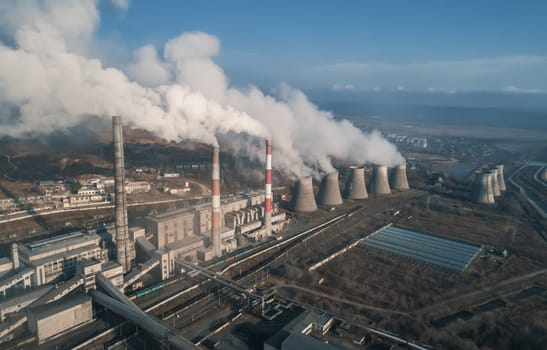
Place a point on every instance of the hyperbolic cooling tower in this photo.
(355, 186)
(268, 190)
(122, 248)
(495, 180)
(501, 180)
(481, 191)
(215, 219)
(379, 183)
(398, 178)
(303, 199)
(329, 191)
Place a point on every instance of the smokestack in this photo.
(119, 183)
(379, 183)
(329, 191)
(398, 178)
(215, 222)
(268, 190)
(501, 180)
(495, 184)
(303, 199)
(15, 256)
(481, 191)
(355, 186)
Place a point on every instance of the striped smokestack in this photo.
(215, 223)
(119, 183)
(268, 190)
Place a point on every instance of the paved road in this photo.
(523, 193)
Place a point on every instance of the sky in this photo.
(423, 46)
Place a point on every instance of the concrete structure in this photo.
(18, 303)
(491, 185)
(124, 248)
(329, 190)
(215, 222)
(495, 180)
(170, 227)
(398, 179)
(46, 321)
(481, 192)
(144, 321)
(6, 265)
(56, 258)
(268, 191)
(501, 179)
(356, 186)
(303, 199)
(15, 256)
(379, 183)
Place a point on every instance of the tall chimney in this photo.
(379, 183)
(501, 180)
(215, 222)
(119, 183)
(329, 191)
(303, 199)
(398, 178)
(15, 256)
(356, 187)
(268, 190)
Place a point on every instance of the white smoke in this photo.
(45, 74)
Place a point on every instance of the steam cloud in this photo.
(47, 77)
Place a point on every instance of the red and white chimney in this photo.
(215, 219)
(268, 190)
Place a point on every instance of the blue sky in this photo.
(444, 46)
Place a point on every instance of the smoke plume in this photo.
(50, 77)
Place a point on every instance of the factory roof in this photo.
(61, 255)
(58, 242)
(430, 249)
(299, 341)
(5, 261)
(25, 297)
(170, 214)
(58, 306)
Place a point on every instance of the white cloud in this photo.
(518, 90)
(342, 87)
(496, 73)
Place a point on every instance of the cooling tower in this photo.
(379, 183)
(501, 180)
(495, 182)
(122, 248)
(398, 178)
(355, 186)
(329, 191)
(268, 190)
(481, 191)
(490, 186)
(303, 199)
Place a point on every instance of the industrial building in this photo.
(430, 249)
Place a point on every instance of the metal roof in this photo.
(430, 249)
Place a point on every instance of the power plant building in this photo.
(48, 320)
(55, 258)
